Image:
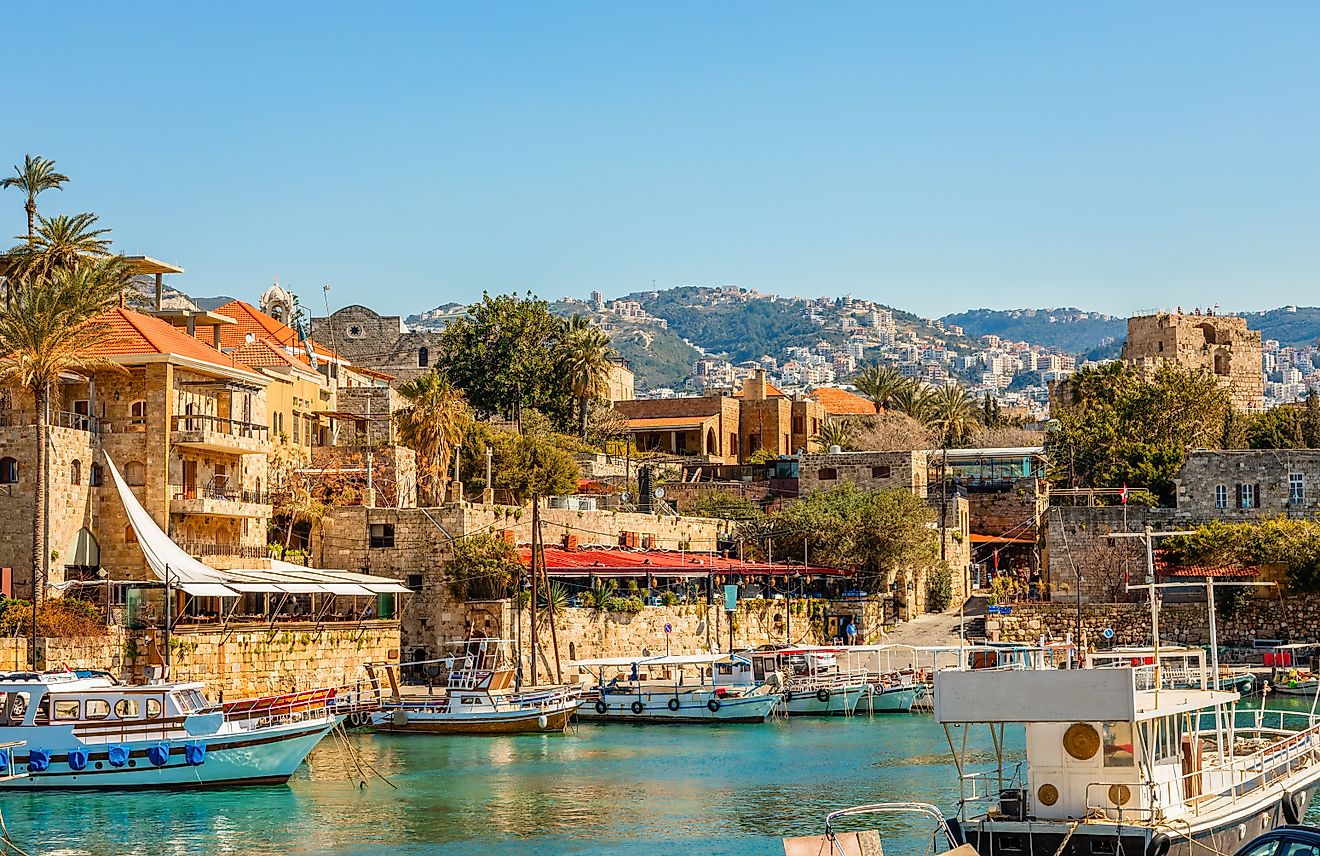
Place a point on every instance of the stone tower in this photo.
(1220, 345)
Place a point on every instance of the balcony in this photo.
(218, 434)
(208, 549)
(222, 502)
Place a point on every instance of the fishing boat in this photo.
(1288, 678)
(1181, 667)
(1123, 760)
(478, 695)
(85, 730)
(686, 688)
(814, 683)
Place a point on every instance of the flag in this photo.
(1122, 494)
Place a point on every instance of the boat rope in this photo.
(359, 760)
(6, 842)
(1072, 827)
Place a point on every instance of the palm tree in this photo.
(915, 400)
(36, 175)
(52, 328)
(882, 383)
(837, 432)
(587, 360)
(60, 242)
(953, 414)
(431, 425)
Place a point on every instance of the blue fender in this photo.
(4, 761)
(194, 754)
(117, 756)
(38, 760)
(158, 754)
(77, 759)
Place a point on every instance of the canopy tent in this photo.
(172, 565)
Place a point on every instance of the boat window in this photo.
(467, 699)
(126, 708)
(66, 708)
(1265, 848)
(96, 708)
(183, 701)
(724, 668)
(1118, 744)
(18, 706)
(153, 708)
(42, 715)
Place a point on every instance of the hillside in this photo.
(657, 355)
(1293, 326)
(1069, 329)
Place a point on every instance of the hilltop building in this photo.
(1220, 345)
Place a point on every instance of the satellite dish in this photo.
(659, 493)
(250, 338)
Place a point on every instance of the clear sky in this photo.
(935, 156)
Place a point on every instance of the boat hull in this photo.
(837, 702)
(507, 722)
(891, 699)
(685, 708)
(265, 757)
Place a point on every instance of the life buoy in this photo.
(601, 706)
(822, 695)
(637, 707)
(1294, 806)
(357, 720)
(672, 704)
(713, 705)
(1158, 845)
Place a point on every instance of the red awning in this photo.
(607, 562)
(978, 538)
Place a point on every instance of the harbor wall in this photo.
(1295, 618)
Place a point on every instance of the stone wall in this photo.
(1015, 513)
(1292, 619)
(1208, 477)
(1076, 542)
(375, 341)
(865, 470)
(1219, 345)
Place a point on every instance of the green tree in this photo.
(431, 425)
(586, 358)
(939, 589)
(1276, 428)
(837, 432)
(953, 414)
(533, 463)
(50, 329)
(1119, 426)
(484, 567)
(60, 243)
(1311, 421)
(882, 382)
(915, 400)
(724, 505)
(34, 177)
(506, 357)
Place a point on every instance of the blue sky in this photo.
(933, 156)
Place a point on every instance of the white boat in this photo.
(478, 696)
(84, 730)
(1287, 678)
(814, 684)
(1121, 761)
(689, 688)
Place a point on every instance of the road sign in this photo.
(669, 628)
(1108, 633)
(730, 598)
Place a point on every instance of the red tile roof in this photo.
(252, 320)
(604, 561)
(771, 391)
(263, 353)
(841, 402)
(134, 334)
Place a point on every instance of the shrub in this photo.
(939, 589)
(65, 616)
(669, 599)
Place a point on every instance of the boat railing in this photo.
(1243, 775)
(8, 770)
(987, 786)
(829, 681)
(930, 811)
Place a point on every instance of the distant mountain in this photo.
(658, 356)
(209, 303)
(1293, 326)
(1069, 329)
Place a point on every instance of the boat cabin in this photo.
(38, 700)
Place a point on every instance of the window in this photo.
(153, 708)
(354, 331)
(135, 473)
(880, 472)
(1118, 744)
(130, 534)
(1247, 496)
(66, 708)
(1221, 496)
(1296, 489)
(424, 357)
(75, 472)
(126, 708)
(138, 413)
(94, 475)
(8, 471)
(827, 474)
(382, 535)
(414, 582)
(96, 708)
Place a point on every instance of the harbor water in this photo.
(602, 789)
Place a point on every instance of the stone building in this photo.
(866, 470)
(1220, 345)
(1249, 483)
(380, 342)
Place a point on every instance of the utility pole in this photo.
(371, 460)
(1148, 535)
(538, 556)
(944, 503)
(536, 528)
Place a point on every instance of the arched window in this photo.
(94, 475)
(130, 534)
(424, 357)
(138, 413)
(75, 472)
(135, 473)
(1221, 496)
(8, 471)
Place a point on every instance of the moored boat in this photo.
(85, 730)
(478, 696)
(718, 688)
(814, 684)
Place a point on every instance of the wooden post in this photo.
(538, 555)
(536, 528)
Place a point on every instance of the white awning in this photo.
(207, 590)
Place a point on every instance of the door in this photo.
(189, 479)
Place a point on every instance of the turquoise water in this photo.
(599, 789)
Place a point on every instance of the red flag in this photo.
(1122, 494)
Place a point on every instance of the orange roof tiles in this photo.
(771, 391)
(252, 320)
(841, 402)
(263, 353)
(133, 334)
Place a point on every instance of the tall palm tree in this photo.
(431, 425)
(36, 175)
(882, 382)
(50, 329)
(914, 399)
(587, 361)
(60, 243)
(954, 414)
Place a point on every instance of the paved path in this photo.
(939, 628)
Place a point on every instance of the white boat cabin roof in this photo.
(1061, 695)
(651, 660)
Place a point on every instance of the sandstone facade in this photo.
(1220, 345)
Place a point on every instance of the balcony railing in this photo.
(58, 419)
(181, 492)
(221, 425)
(202, 549)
